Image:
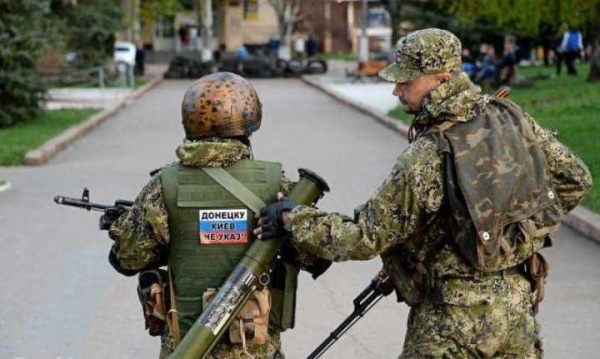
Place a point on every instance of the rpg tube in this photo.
(252, 271)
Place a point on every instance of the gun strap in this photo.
(172, 315)
(235, 187)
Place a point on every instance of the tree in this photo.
(430, 13)
(594, 74)
(286, 11)
(394, 8)
(155, 10)
(24, 33)
(91, 26)
(528, 17)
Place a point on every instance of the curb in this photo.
(50, 148)
(581, 219)
(4, 186)
(388, 121)
(585, 222)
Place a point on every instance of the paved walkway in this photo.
(85, 97)
(76, 97)
(60, 297)
(376, 95)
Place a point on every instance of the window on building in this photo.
(251, 9)
(378, 17)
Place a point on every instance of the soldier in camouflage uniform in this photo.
(220, 111)
(461, 218)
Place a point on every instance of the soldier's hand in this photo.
(110, 216)
(273, 218)
(384, 283)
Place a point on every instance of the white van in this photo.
(124, 53)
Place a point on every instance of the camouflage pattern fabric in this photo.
(270, 350)
(424, 52)
(142, 235)
(406, 215)
(483, 318)
(222, 153)
(405, 209)
(498, 186)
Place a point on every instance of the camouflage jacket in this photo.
(142, 235)
(405, 215)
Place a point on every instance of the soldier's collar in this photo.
(451, 101)
(217, 152)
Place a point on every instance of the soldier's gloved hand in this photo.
(110, 216)
(271, 223)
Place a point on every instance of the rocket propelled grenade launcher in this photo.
(252, 272)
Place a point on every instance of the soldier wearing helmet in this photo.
(185, 217)
(461, 219)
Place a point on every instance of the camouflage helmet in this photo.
(424, 52)
(222, 104)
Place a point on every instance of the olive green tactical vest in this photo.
(498, 186)
(194, 266)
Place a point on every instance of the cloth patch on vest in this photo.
(223, 226)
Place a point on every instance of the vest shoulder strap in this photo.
(235, 187)
(168, 179)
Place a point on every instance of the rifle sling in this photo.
(234, 187)
(172, 315)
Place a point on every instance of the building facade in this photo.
(335, 25)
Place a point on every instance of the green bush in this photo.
(31, 27)
(24, 34)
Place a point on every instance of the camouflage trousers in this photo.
(270, 350)
(488, 317)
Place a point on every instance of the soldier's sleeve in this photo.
(141, 235)
(298, 256)
(411, 194)
(570, 176)
(286, 184)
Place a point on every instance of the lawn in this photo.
(567, 104)
(19, 139)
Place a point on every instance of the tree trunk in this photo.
(594, 74)
(393, 7)
(286, 14)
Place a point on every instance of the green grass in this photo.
(19, 139)
(567, 104)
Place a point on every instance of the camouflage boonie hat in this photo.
(424, 52)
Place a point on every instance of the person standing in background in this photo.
(571, 48)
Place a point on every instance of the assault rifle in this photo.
(381, 285)
(111, 213)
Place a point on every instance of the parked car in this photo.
(124, 54)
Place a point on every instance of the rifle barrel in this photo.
(124, 202)
(67, 201)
